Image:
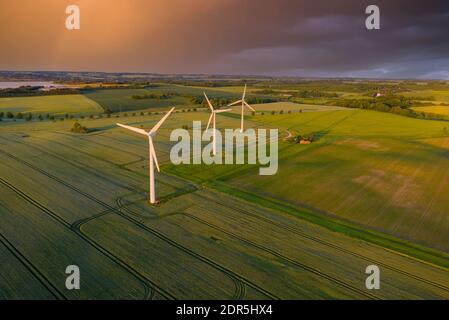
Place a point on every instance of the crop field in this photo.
(57, 105)
(118, 100)
(441, 110)
(289, 106)
(438, 95)
(370, 190)
(93, 213)
(398, 185)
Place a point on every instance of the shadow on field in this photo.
(320, 134)
(99, 129)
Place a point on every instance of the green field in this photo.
(118, 100)
(55, 105)
(289, 106)
(387, 177)
(438, 95)
(370, 190)
(441, 110)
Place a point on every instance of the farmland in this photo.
(122, 99)
(58, 105)
(440, 110)
(370, 190)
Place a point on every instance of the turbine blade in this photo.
(158, 125)
(153, 155)
(246, 104)
(210, 119)
(208, 102)
(244, 93)
(138, 130)
(222, 110)
(234, 103)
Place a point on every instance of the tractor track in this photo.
(149, 290)
(149, 294)
(287, 259)
(291, 229)
(141, 225)
(239, 281)
(31, 268)
(85, 167)
(85, 139)
(328, 244)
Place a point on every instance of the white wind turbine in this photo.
(212, 118)
(244, 104)
(152, 153)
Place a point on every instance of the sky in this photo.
(301, 38)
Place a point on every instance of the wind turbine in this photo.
(212, 118)
(244, 104)
(152, 153)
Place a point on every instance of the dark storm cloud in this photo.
(316, 38)
(270, 37)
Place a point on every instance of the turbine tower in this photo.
(244, 104)
(152, 153)
(212, 118)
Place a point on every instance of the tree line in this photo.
(35, 91)
(393, 104)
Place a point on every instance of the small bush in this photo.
(78, 128)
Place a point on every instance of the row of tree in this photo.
(305, 94)
(35, 91)
(222, 101)
(162, 96)
(392, 103)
